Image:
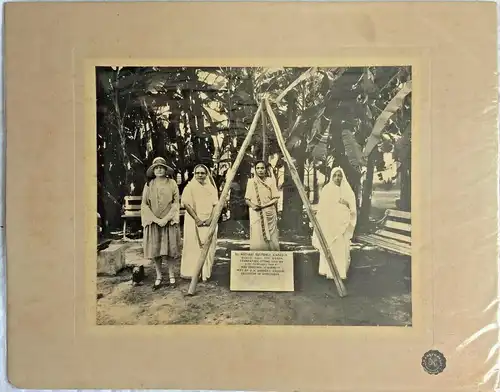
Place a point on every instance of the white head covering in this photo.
(209, 175)
(329, 208)
(344, 185)
(208, 190)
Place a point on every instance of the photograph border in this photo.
(421, 315)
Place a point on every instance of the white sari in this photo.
(337, 222)
(202, 199)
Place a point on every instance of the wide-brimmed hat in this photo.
(159, 162)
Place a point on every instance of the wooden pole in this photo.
(264, 137)
(218, 208)
(296, 178)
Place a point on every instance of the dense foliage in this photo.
(192, 115)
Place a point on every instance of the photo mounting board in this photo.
(51, 50)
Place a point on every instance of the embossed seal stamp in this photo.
(433, 362)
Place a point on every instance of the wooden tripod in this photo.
(265, 105)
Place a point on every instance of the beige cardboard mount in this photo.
(51, 50)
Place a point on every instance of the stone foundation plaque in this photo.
(261, 271)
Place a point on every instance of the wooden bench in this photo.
(393, 233)
(132, 210)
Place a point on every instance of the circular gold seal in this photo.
(433, 362)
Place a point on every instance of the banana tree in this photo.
(392, 107)
(302, 104)
(375, 139)
(403, 155)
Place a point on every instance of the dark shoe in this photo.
(158, 283)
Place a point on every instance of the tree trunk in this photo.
(196, 103)
(292, 215)
(158, 133)
(179, 140)
(366, 200)
(307, 182)
(405, 198)
(315, 185)
(341, 159)
(144, 142)
(292, 203)
(119, 116)
(101, 124)
(189, 112)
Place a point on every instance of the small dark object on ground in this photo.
(99, 296)
(138, 275)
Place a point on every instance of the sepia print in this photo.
(257, 196)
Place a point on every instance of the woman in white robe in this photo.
(199, 197)
(337, 216)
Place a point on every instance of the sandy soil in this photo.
(378, 294)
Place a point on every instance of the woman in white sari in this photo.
(337, 215)
(199, 197)
(261, 197)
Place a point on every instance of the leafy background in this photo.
(358, 118)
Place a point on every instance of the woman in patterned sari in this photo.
(199, 197)
(261, 197)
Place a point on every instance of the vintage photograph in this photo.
(255, 196)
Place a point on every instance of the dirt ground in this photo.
(379, 294)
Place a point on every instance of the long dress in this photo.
(160, 198)
(202, 199)
(337, 222)
(264, 233)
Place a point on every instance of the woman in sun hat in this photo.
(160, 215)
